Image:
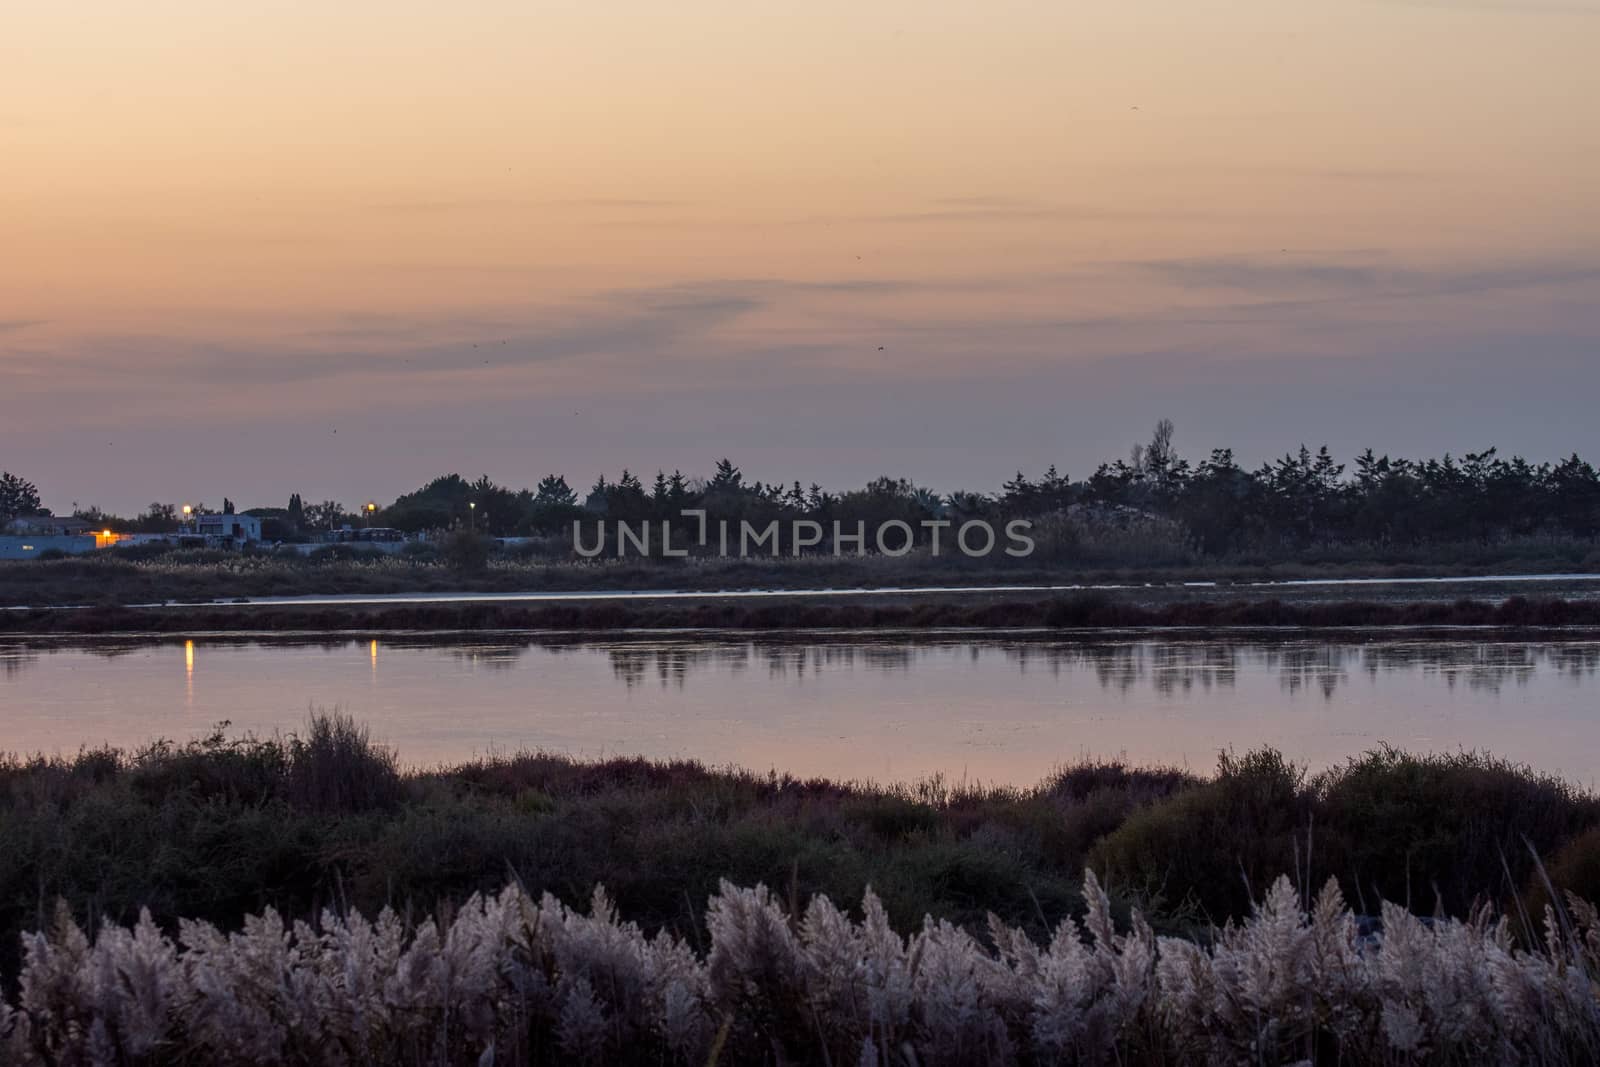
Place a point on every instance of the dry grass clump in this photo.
(510, 979)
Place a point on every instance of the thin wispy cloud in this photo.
(634, 325)
(1343, 278)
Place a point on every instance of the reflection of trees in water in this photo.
(1179, 668)
(1575, 661)
(672, 664)
(17, 656)
(113, 651)
(1484, 666)
(494, 657)
(1171, 668)
(1305, 666)
(1116, 666)
(16, 659)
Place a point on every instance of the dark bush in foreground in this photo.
(1211, 849)
(1442, 830)
(1436, 833)
(335, 767)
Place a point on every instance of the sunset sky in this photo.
(336, 249)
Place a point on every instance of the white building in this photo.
(225, 527)
(32, 546)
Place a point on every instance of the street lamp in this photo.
(472, 516)
(369, 508)
(187, 512)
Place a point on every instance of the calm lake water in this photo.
(995, 708)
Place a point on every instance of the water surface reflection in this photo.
(987, 706)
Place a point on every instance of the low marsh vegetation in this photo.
(146, 574)
(205, 899)
(221, 826)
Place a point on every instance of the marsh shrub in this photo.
(333, 767)
(238, 771)
(336, 767)
(1211, 848)
(1443, 828)
(1435, 832)
(509, 979)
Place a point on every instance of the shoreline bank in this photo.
(201, 577)
(1085, 612)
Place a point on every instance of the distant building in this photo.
(365, 535)
(30, 536)
(50, 526)
(33, 546)
(224, 527)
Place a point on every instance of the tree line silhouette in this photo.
(1215, 507)
(1301, 500)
